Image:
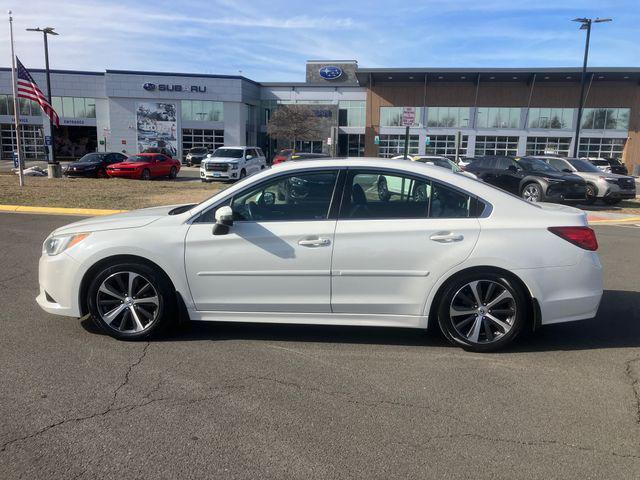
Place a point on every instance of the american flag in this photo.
(28, 88)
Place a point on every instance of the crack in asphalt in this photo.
(527, 443)
(13, 277)
(346, 396)
(635, 384)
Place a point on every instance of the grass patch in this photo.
(112, 193)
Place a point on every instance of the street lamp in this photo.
(585, 25)
(48, 31)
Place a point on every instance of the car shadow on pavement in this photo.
(617, 325)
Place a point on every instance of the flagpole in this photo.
(16, 115)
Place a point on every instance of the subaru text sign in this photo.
(330, 72)
(164, 87)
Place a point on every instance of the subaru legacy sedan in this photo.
(319, 242)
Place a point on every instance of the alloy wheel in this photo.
(128, 302)
(483, 311)
(531, 193)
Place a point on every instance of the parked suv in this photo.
(609, 187)
(232, 163)
(196, 155)
(530, 178)
(609, 165)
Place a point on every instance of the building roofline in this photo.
(332, 61)
(176, 74)
(42, 70)
(501, 70)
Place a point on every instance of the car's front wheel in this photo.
(131, 301)
(482, 311)
(532, 192)
(591, 194)
(145, 175)
(173, 173)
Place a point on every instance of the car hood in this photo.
(129, 164)
(132, 219)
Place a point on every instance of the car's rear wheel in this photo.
(101, 173)
(482, 311)
(131, 301)
(173, 173)
(532, 192)
(145, 175)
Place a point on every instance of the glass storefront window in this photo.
(605, 119)
(392, 116)
(489, 145)
(548, 146)
(601, 147)
(351, 113)
(498, 117)
(558, 118)
(446, 145)
(74, 107)
(448, 117)
(196, 137)
(392, 145)
(202, 111)
(31, 138)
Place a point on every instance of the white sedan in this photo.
(321, 242)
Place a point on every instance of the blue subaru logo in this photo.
(330, 72)
(150, 87)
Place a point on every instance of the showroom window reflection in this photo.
(392, 116)
(351, 113)
(557, 118)
(605, 119)
(448, 117)
(26, 107)
(202, 111)
(498, 117)
(74, 107)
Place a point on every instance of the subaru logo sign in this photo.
(150, 87)
(330, 72)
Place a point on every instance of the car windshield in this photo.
(138, 158)
(93, 158)
(535, 165)
(228, 153)
(583, 165)
(198, 150)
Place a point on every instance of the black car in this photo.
(529, 178)
(617, 166)
(93, 164)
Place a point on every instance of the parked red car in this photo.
(145, 166)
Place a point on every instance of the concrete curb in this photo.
(87, 212)
(596, 220)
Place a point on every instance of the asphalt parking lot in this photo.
(258, 401)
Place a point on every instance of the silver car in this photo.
(611, 188)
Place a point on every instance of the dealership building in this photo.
(497, 111)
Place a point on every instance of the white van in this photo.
(232, 163)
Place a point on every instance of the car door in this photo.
(508, 176)
(277, 254)
(389, 252)
(161, 166)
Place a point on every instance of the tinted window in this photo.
(447, 202)
(93, 157)
(558, 163)
(300, 196)
(228, 153)
(583, 165)
(139, 158)
(503, 163)
(384, 195)
(199, 150)
(536, 165)
(485, 162)
(160, 158)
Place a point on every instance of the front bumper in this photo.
(58, 277)
(561, 194)
(124, 173)
(211, 176)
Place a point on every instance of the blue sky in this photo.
(270, 41)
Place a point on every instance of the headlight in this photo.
(59, 243)
(234, 166)
(611, 180)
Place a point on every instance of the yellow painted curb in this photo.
(613, 220)
(89, 212)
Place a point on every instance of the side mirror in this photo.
(224, 220)
(249, 157)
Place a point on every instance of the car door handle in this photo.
(314, 242)
(446, 237)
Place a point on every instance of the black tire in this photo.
(123, 325)
(145, 175)
(243, 173)
(383, 190)
(101, 173)
(173, 173)
(532, 192)
(612, 201)
(459, 287)
(592, 194)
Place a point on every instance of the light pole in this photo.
(585, 25)
(48, 31)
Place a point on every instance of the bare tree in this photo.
(294, 122)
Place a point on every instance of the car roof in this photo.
(237, 147)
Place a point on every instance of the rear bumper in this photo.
(557, 194)
(566, 293)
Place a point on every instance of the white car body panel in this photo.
(373, 272)
(250, 165)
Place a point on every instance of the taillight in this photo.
(583, 237)
(278, 159)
